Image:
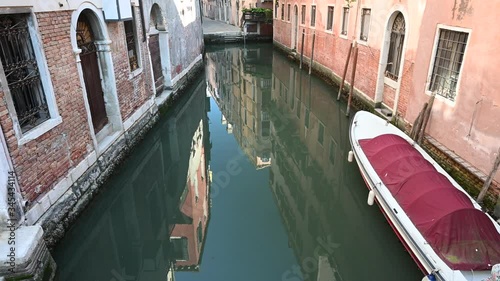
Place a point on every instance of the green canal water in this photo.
(245, 178)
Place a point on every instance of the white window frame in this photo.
(342, 22)
(139, 69)
(315, 16)
(55, 119)
(361, 41)
(333, 19)
(433, 60)
(289, 12)
(305, 15)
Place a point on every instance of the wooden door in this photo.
(91, 72)
(95, 94)
(154, 50)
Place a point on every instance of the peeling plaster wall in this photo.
(183, 24)
(469, 126)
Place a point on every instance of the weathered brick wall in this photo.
(132, 91)
(471, 182)
(41, 162)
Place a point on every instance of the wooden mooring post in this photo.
(312, 52)
(345, 71)
(353, 76)
(302, 48)
(488, 181)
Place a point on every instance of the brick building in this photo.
(406, 51)
(81, 81)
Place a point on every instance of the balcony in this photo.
(257, 15)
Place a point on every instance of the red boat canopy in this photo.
(463, 236)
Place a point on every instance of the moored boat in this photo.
(442, 227)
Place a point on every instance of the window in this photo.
(180, 248)
(313, 15)
(365, 24)
(321, 133)
(448, 61)
(282, 11)
(306, 121)
(333, 147)
(303, 14)
(22, 72)
(131, 44)
(288, 13)
(329, 18)
(345, 21)
(395, 47)
(275, 10)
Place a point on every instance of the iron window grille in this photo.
(313, 15)
(303, 15)
(21, 71)
(345, 21)
(365, 24)
(396, 47)
(288, 12)
(329, 19)
(448, 63)
(282, 11)
(131, 39)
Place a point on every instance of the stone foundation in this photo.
(32, 259)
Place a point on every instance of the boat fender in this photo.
(371, 197)
(429, 277)
(350, 156)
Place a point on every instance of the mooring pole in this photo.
(312, 52)
(489, 179)
(351, 92)
(345, 72)
(302, 48)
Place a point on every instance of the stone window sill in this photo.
(39, 130)
(135, 73)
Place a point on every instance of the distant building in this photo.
(408, 50)
(231, 11)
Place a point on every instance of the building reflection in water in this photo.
(239, 80)
(268, 110)
(153, 219)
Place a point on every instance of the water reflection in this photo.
(239, 80)
(152, 218)
(281, 114)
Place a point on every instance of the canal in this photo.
(245, 178)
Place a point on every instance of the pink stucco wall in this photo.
(469, 126)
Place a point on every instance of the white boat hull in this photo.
(366, 126)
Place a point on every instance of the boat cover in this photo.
(463, 236)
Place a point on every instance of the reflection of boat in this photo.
(442, 227)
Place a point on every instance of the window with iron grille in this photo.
(131, 39)
(396, 47)
(345, 21)
(448, 61)
(329, 18)
(313, 15)
(21, 71)
(303, 15)
(365, 24)
(288, 13)
(282, 11)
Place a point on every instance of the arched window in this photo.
(396, 47)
